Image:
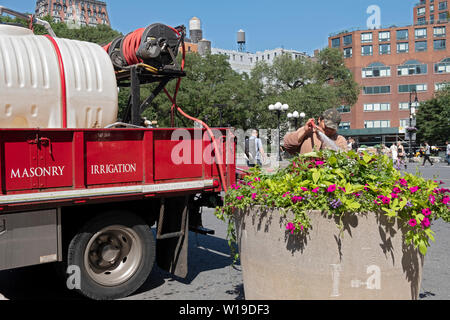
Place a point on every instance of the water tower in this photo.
(195, 30)
(241, 40)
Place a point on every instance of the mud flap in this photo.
(172, 236)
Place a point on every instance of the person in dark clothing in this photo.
(427, 154)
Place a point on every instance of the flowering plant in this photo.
(343, 183)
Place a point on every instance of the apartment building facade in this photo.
(74, 12)
(389, 64)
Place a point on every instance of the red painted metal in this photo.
(36, 162)
(63, 81)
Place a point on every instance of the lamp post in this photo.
(412, 112)
(278, 107)
(295, 115)
(220, 106)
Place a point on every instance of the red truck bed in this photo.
(68, 166)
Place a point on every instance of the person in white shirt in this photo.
(394, 153)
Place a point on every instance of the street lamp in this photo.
(295, 115)
(220, 106)
(412, 112)
(278, 107)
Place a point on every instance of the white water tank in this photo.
(31, 85)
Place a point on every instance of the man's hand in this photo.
(309, 127)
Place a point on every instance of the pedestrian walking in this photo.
(401, 156)
(254, 150)
(394, 154)
(448, 153)
(427, 155)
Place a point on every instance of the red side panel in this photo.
(177, 159)
(114, 157)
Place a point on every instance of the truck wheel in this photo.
(114, 253)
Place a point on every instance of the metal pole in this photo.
(279, 136)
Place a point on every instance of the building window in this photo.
(376, 70)
(439, 44)
(421, 11)
(348, 52)
(344, 109)
(366, 37)
(406, 88)
(344, 126)
(336, 42)
(403, 47)
(443, 66)
(405, 105)
(431, 7)
(443, 16)
(421, 46)
(402, 34)
(443, 5)
(385, 49)
(439, 31)
(421, 33)
(370, 107)
(384, 36)
(367, 50)
(421, 21)
(368, 124)
(431, 18)
(412, 67)
(348, 40)
(377, 90)
(441, 86)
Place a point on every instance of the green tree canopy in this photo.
(433, 119)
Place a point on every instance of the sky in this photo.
(302, 25)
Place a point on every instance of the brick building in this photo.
(389, 64)
(74, 12)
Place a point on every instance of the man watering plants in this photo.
(322, 135)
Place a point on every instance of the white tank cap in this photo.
(9, 30)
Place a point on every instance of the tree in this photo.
(306, 85)
(100, 34)
(433, 118)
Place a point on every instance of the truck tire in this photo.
(113, 254)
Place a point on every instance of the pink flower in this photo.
(304, 189)
(257, 179)
(331, 188)
(414, 189)
(366, 188)
(319, 163)
(254, 195)
(240, 198)
(357, 195)
(412, 222)
(403, 182)
(301, 227)
(386, 200)
(342, 188)
(290, 227)
(426, 222)
(446, 200)
(296, 199)
(316, 190)
(285, 195)
(426, 212)
(397, 190)
(432, 199)
(394, 195)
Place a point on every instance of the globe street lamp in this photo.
(279, 107)
(295, 115)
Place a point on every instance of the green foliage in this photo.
(100, 34)
(433, 118)
(344, 183)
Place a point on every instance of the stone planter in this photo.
(370, 260)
